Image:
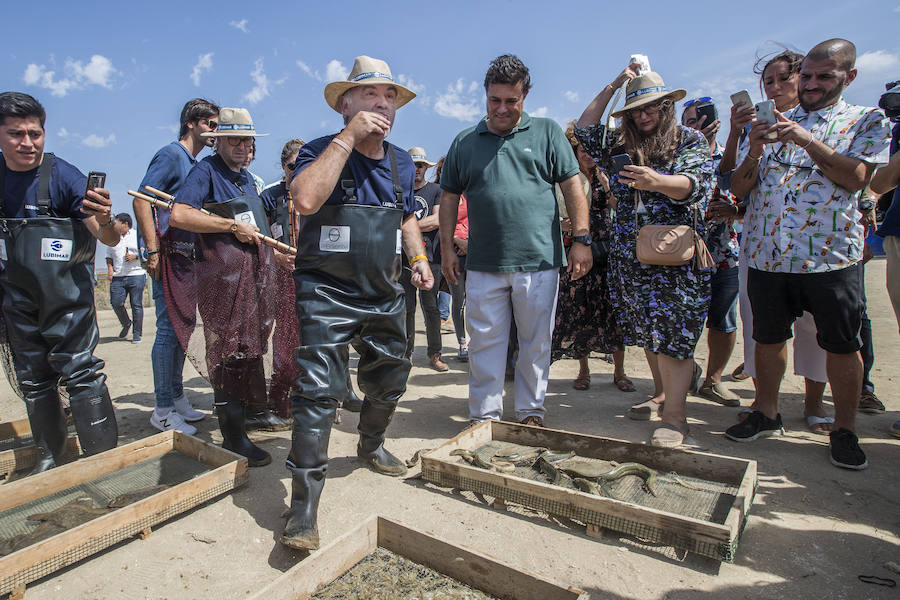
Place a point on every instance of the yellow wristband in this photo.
(417, 258)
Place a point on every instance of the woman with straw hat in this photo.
(661, 308)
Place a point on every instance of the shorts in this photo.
(722, 314)
(834, 299)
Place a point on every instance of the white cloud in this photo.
(897, 9)
(204, 63)
(571, 96)
(308, 70)
(408, 82)
(241, 25)
(457, 103)
(877, 62)
(63, 133)
(95, 141)
(335, 71)
(262, 84)
(540, 111)
(98, 71)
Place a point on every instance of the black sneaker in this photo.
(845, 450)
(756, 425)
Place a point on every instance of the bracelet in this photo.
(152, 252)
(342, 144)
(754, 158)
(417, 258)
(108, 223)
(811, 138)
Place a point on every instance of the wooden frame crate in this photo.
(714, 540)
(466, 566)
(19, 455)
(228, 471)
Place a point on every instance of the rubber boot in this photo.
(48, 429)
(307, 462)
(352, 402)
(234, 433)
(373, 421)
(264, 420)
(95, 422)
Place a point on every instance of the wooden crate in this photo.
(228, 471)
(466, 566)
(712, 539)
(17, 453)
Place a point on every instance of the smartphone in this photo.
(642, 60)
(765, 111)
(619, 162)
(95, 179)
(741, 98)
(708, 110)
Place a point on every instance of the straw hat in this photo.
(366, 71)
(418, 155)
(234, 122)
(645, 89)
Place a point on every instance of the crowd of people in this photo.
(633, 227)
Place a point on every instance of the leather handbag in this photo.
(672, 245)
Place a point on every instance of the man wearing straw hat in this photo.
(228, 280)
(355, 192)
(427, 196)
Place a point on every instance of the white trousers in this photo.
(809, 357)
(492, 300)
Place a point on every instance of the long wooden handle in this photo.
(268, 241)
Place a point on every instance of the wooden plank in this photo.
(467, 566)
(15, 429)
(85, 469)
(742, 501)
(208, 454)
(152, 508)
(325, 565)
(26, 456)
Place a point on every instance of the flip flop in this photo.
(624, 384)
(644, 410)
(582, 382)
(816, 424)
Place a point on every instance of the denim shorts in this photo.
(723, 302)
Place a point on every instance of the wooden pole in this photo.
(166, 204)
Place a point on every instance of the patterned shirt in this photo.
(799, 221)
(721, 237)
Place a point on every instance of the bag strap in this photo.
(398, 189)
(348, 184)
(43, 201)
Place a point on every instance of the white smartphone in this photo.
(765, 111)
(741, 98)
(642, 60)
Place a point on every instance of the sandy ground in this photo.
(813, 529)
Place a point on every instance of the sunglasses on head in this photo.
(696, 100)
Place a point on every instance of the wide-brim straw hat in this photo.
(418, 155)
(366, 71)
(645, 89)
(234, 122)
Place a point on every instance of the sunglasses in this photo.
(210, 123)
(696, 100)
(235, 141)
(291, 166)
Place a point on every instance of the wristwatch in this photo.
(585, 239)
(234, 227)
(866, 204)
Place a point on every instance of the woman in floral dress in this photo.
(585, 321)
(660, 308)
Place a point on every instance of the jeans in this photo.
(167, 356)
(458, 293)
(867, 352)
(429, 309)
(444, 304)
(133, 287)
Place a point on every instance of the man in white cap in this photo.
(355, 192)
(224, 282)
(427, 196)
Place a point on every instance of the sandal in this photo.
(623, 383)
(669, 436)
(644, 410)
(738, 373)
(819, 425)
(582, 382)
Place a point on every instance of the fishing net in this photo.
(6, 359)
(224, 302)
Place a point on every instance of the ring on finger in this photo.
(631, 184)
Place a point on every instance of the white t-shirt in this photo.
(121, 267)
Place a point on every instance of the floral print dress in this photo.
(659, 308)
(585, 320)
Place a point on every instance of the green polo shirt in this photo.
(508, 183)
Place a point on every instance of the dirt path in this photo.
(813, 529)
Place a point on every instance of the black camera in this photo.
(890, 101)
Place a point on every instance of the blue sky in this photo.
(113, 76)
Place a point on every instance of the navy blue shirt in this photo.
(20, 191)
(167, 171)
(212, 181)
(891, 223)
(273, 196)
(374, 186)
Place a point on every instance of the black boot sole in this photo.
(300, 543)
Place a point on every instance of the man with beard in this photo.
(802, 185)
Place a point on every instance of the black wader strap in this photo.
(348, 184)
(44, 185)
(398, 189)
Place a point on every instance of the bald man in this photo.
(806, 240)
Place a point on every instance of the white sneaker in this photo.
(187, 412)
(171, 420)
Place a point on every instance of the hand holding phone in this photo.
(95, 179)
(619, 162)
(741, 99)
(765, 112)
(708, 110)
